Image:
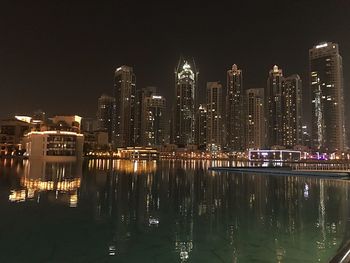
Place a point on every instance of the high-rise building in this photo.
(292, 113)
(326, 83)
(273, 108)
(255, 121)
(235, 116)
(283, 101)
(105, 110)
(186, 81)
(141, 94)
(201, 126)
(124, 112)
(153, 124)
(214, 116)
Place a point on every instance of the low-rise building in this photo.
(11, 135)
(54, 145)
(96, 141)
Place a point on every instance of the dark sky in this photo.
(59, 56)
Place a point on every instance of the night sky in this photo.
(60, 56)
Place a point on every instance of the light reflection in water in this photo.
(201, 205)
(178, 211)
(45, 178)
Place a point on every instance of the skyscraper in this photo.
(105, 109)
(153, 120)
(235, 117)
(283, 101)
(292, 111)
(214, 116)
(273, 107)
(326, 83)
(124, 112)
(255, 121)
(186, 79)
(141, 94)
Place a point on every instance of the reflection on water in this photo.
(178, 211)
(55, 181)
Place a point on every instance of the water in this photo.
(166, 211)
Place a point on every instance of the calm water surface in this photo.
(166, 211)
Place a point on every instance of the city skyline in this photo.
(76, 50)
(136, 116)
(175, 131)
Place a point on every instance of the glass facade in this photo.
(235, 116)
(326, 83)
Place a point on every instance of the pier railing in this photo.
(322, 167)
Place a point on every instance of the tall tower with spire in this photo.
(183, 121)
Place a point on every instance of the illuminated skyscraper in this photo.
(105, 115)
(273, 108)
(214, 116)
(291, 111)
(283, 101)
(186, 79)
(124, 113)
(141, 94)
(255, 121)
(326, 83)
(153, 120)
(235, 117)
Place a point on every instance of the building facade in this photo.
(66, 123)
(105, 109)
(273, 108)
(183, 121)
(153, 126)
(11, 135)
(214, 116)
(235, 116)
(326, 84)
(141, 94)
(292, 112)
(54, 145)
(124, 112)
(283, 112)
(255, 121)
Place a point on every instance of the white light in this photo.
(55, 132)
(156, 97)
(186, 66)
(322, 45)
(24, 118)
